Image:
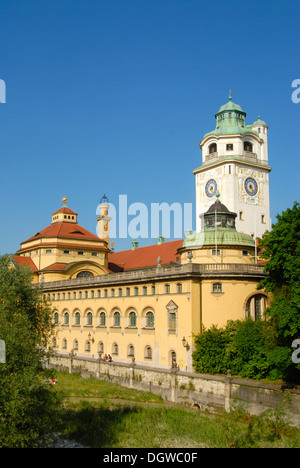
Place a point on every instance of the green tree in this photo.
(210, 351)
(27, 405)
(281, 248)
(243, 346)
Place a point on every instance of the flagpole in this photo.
(255, 239)
(216, 229)
(216, 234)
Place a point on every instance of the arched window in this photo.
(255, 306)
(102, 319)
(148, 352)
(56, 318)
(150, 319)
(83, 274)
(115, 349)
(77, 319)
(64, 343)
(179, 287)
(89, 319)
(212, 148)
(100, 347)
(66, 318)
(87, 346)
(173, 359)
(117, 319)
(167, 288)
(132, 319)
(75, 345)
(131, 350)
(248, 146)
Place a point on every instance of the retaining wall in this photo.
(206, 392)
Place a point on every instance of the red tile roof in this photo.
(143, 257)
(56, 266)
(65, 230)
(25, 261)
(65, 210)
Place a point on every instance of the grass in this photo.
(106, 415)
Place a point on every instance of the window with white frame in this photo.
(172, 310)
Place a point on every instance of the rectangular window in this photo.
(245, 253)
(263, 219)
(105, 292)
(216, 252)
(80, 295)
(241, 216)
(112, 293)
(48, 251)
(80, 252)
(172, 322)
(136, 291)
(120, 292)
(153, 290)
(217, 288)
(92, 294)
(69, 295)
(66, 251)
(127, 291)
(229, 147)
(86, 294)
(94, 254)
(229, 169)
(74, 295)
(145, 290)
(99, 293)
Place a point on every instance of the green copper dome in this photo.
(221, 236)
(219, 227)
(231, 120)
(259, 122)
(230, 106)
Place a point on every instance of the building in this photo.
(147, 303)
(235, 163)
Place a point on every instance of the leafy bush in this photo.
(27, 405)
(247, 347)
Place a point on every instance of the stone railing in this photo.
(150, 274)
(245, 156)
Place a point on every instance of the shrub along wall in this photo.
(206, 392)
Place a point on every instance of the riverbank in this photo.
(99, 414)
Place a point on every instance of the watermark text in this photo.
(2, 92)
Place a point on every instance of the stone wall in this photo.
(206, 392)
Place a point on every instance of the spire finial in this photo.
(64, 200)
(230, 95)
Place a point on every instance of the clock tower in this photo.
(235, 164)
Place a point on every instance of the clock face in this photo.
(251, 186)
(211, 188)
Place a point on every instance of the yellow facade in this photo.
(113, 315)
(146, 312)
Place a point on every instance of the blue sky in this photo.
(114, 97)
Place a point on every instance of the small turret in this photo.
(103, 219)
